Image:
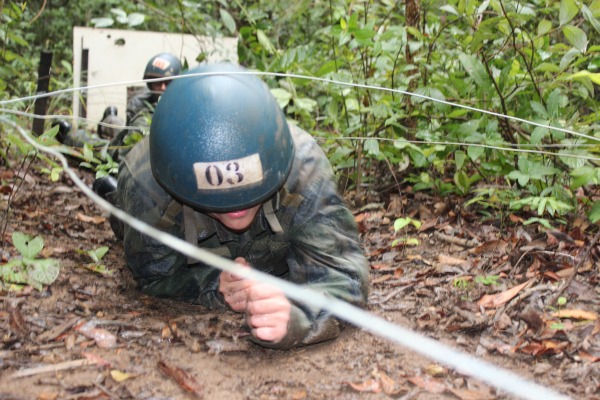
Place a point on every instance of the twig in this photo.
(583, 258)
(456, 240)
(53, 368)
(391, 295)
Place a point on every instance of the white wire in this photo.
(462, 362)
(305, 77)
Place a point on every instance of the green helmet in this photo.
(220, 142)
(162, 65)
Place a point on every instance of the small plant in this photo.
(400, 224)
(491, 280)
(96, 256)
(28, 270)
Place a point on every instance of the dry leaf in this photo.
(493, 246)
(466, 394)
(448, 260)
(496, 300)
(16, 322)
(120, 376)
(96, 359)
(429, 384)
(182, 378)
(588, 357)
(103, 338)
(96, 219)
(576, 314)
(371, 385)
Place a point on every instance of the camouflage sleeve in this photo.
(326, 255)
(159, 270)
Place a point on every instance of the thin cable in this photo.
(311, 78)
(462, 362)
(462, 144)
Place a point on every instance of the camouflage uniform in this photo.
(140, 109)
(317, 245)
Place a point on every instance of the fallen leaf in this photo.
(96, 359)
(436, 370)
(429, 384)
(576, 314)
(103, 338)
(387, 384)
(120, 376)
(381, 279)
(588, 357)
(496, 300)
(183, 379)
(493, 246)
(17, 323)
(371, 385)
(466, 394)
(96, 219)
(448, 260)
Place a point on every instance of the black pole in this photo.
(42, 87)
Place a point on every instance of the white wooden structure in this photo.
(113, 57)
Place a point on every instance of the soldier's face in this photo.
(159, 87)
(237, 221)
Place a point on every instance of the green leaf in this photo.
(461, 180)
(305, 103)
(264, 41)
(228, 20)
(539, 109)
(459, 159)
(135, 19)
(343, 24)
(584, 176)
(17, 39)
(538, 134)
(403, 222)
(363, 34)
(520, 177)
(568, 11)
(372, 146)
(475, 69)
(475, 152)
(449, 9)
(26, 246)
(118, 12)
(42, 272)
(594, 214)
(97, 254)
(594, 77)
(576, 37)
(544, 27)
(102, 22)
(282, 96)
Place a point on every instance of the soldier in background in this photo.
(138, 115)
(140, 107)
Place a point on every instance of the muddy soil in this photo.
(92, 335)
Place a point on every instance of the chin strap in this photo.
(269, 209)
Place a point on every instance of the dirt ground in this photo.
(517, 296)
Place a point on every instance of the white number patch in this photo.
(219, 175)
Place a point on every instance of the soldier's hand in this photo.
(268, 312)
(234, 288)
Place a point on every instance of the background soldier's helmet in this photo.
(219, 142)
(162, 65)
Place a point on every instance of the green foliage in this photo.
(28, 269)
(491, 280)
(536, 61)
(402, 223)
(96, 265)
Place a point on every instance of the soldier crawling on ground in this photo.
(223, 169)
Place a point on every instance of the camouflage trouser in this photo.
(116, 224)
